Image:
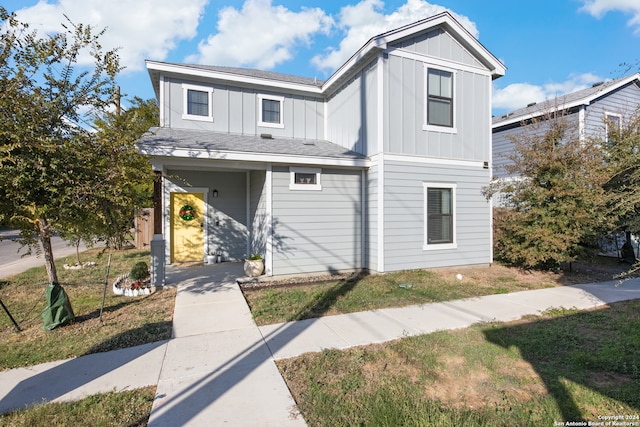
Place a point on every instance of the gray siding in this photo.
(258, 212)
(405, 82)
(440, 44)
(404, 216)
(371, 210)
(317, 230)
(227, 213)
(624, 101)
(352, 113)
(235, 110)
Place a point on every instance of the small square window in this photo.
(197, 103)
(270, 109)
(305, 179)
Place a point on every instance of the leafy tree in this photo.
(45, 147)
(556, 202)
(118, 179)
(622, 155)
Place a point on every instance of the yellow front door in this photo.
(187, 227)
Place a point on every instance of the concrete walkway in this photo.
(219, 369)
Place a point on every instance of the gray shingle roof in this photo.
(288, 78)
(159, 140)
(562, 101)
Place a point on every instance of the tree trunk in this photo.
(47, 250)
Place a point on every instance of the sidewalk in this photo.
(219, 367)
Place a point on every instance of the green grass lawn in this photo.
(562, 366)
(126, 321)
(127, 408)
(273, 304)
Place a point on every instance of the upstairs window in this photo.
(197, 102)
(439, 109)
(270, 109)
(613, 126)
(439, 216)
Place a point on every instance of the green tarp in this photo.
(58, 311)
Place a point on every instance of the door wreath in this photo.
(187, 213)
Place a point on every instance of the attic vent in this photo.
(266, 136)
(308, 143)
(504, 116)
(531, 104)
(597, 84)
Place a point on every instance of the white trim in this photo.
(309, 187)
(435, 161)
(186, 87)
(438, 62)
(546, 106)
(230, 77)
(608, 114)
(363, 218)
(379, 158)
(581, 123)
(261, 122)
(439, 246)
(443, 19)
(490, 154)
(269, 214)
(193, 153)
(248, 211)
(161, 102)
(454, 77)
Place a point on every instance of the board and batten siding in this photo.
(317, 231)
(404, 117)
(235, 110)
(404, 216)
(371, 225)
(351, 112)
(439, 44)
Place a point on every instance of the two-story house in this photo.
(380, 167)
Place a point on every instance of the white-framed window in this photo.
(439, 216)
(612, 125)
(439, 100)
(197, 102)
(305, 179)
(270, 111)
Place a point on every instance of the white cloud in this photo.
(141, 29)
(518, 95)
(599, 8)
(260, 35)
(365, 19)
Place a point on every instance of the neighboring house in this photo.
(379, 168)
(589, 112)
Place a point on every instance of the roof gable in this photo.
(371, 49)
(567, 101)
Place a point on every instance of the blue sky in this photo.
(550, 47)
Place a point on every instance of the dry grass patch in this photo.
(528, 373)
(126, 321)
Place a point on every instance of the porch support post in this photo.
(157, 243)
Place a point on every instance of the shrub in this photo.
(139, 271)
